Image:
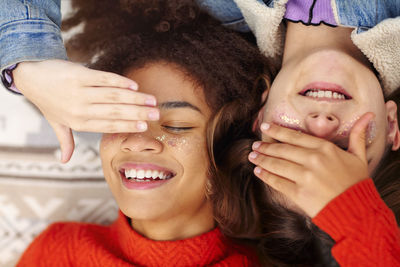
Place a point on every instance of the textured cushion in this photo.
(35, 189)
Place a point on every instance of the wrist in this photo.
(7, 78)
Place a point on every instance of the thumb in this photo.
(66, 139)
(357, 139)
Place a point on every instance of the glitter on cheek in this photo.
(345, 129)
(172, 142)
(371, 132)
(179, 143)
(284, 114)
(285, 118)
(161, 138)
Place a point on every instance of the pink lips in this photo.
(325, 86)
(133, 184)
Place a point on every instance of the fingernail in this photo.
(133, 86)
(257, 170)
(265, 126)
(253, 155)
(150, 102)
(154, 115)
(141, 126)
(256, 144)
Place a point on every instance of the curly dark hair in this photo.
(122, 35)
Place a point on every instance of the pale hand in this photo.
(71, 96)
(311, 171)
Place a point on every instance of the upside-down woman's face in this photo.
(159, 176)
(324, 93)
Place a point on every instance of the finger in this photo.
(357, 139)
(291, 153)
(277, 166)
(108, 79)
(290, 136)
(114, 126)
(122, 112)
(278, 183)
(66, 139)
(106, 95)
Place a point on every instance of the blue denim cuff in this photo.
(30, 40)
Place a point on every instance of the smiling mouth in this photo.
(146, 175)
(325, 91)
(323, 94)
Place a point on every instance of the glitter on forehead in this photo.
(289, 120)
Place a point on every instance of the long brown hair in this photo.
(126, 34)
(387, 176)
(290, 238)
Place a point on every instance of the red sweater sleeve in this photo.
(364, 228)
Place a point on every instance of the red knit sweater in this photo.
(78, 244)
(364, 228)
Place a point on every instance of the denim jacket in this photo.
(30, 31)
(376, 26)
(360, 14)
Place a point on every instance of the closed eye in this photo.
(177, 129)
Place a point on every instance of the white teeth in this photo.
(142, 174)
(154, 174)
(328, 94)
(130, 173)
(148, 174)
(324, 94)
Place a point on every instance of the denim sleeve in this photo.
(225, 11)
(365, 14)
(30, 31)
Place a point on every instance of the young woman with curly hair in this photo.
(205, 79)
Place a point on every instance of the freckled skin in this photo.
(178, 208)
(107, 139)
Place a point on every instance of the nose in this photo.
(141, 142)
(321, 124)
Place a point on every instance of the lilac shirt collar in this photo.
(310, 12)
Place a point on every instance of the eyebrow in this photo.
(178, 104)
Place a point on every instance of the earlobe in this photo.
(393, 133)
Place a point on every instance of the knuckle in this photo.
(308, 177)
(111, 127)
(114, 96)
(315, 159)
(264, 148)
(115, 112)
(265, 162)
(143, 114)
(104, 77)
(328, 147)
